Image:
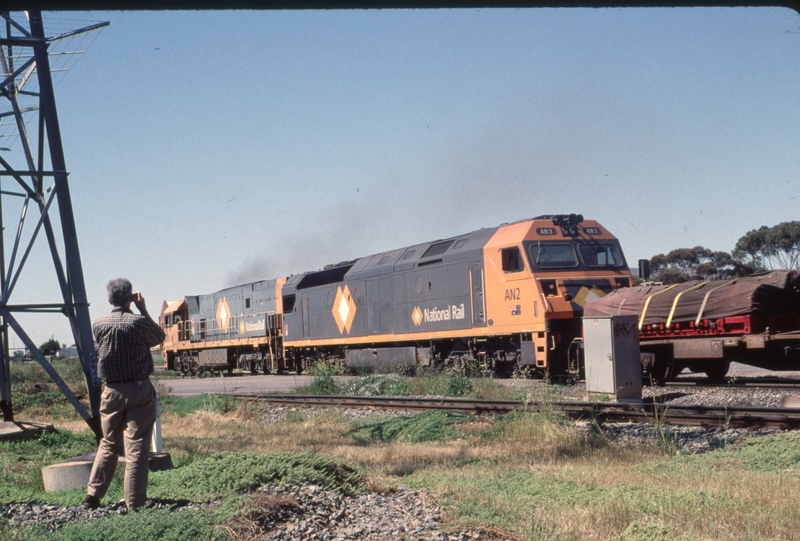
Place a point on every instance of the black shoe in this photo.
(91, 502)
(146, 505)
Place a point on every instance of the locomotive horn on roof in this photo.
(568, 220)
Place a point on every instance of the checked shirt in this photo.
(124, 341)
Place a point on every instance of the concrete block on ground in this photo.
(22, 430)
(74, 473)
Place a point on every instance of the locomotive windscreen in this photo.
(570, 255)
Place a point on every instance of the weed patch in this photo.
(325, 373)
(212, 403)
(327, 368)
(325, 385)
(651, 531)
(35, 395)
(21, 462)
(161, 524)
(417, 428)
(224, 474)
(377, 385)
(770, 454)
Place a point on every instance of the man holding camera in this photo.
(128, 403)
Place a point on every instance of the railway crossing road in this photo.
(230, 385)
(286, 384)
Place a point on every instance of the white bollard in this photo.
(157, 444)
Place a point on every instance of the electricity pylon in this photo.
(27, 85)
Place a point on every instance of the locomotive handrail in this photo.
(213, 331)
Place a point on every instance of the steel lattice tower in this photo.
(27, 86)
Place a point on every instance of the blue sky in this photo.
(207, 149)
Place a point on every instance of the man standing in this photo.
(128, 403)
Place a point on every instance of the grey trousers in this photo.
(127, 415)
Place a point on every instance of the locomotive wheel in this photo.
(659, 363)
(718, 371)
(662, 371)
(505, 369)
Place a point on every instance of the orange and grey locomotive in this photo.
(238, 327)
(504, 298)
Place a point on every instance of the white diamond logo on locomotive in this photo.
(223, 315)
(585, 295)
(344, 309)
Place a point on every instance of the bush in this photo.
(214, 403)
(324, 372)
(328, 368)
(378, 385)
(459, 385)
(324, 385)
(161, 524)
(225, 474)
(417, 428)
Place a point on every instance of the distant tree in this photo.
(698, 263)
(671, 276)
(18, 356)
(776, 247)
(50, 347)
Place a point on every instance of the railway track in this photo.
(650, 412)
(738, 382)
(733, 382)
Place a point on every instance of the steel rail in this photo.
(738, 383)
(645, 411)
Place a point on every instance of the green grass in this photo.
(529, 475)
(186, 405)
(377, 385)
(21, 464)
(417, 428)
(207, 478)
(33, 393)
(451, 384)
(225, 474)
(779, 454)
(149, 524)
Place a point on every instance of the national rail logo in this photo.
(344, 309)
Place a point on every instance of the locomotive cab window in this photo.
(555, 255)
(512, 260)
(601, 255)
